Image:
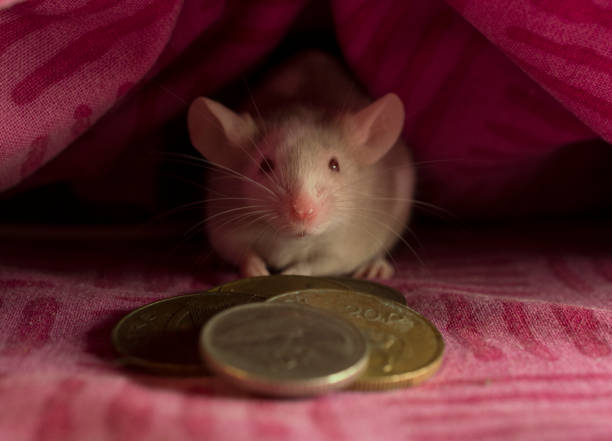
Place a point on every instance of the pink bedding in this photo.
(526, 314)
(509, 112)
(495, 91)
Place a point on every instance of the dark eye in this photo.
(266, 166)
(333, 165)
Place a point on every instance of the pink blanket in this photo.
(506, 101)
(509, 108)
(526, 314)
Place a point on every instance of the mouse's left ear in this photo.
(219, 133)
(375, 129)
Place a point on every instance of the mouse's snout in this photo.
(304, 214)
(303, 208)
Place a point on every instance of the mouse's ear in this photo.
(219, 133)
(376, 128)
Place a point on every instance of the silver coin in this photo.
(283, 349)
(405, 348)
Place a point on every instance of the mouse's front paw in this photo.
(377, 268)
(253, 266)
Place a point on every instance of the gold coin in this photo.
(405, 347)
(162, 337)
(270, 286)
(283, 349)
(369, 287)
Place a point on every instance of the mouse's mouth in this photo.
(304, 228)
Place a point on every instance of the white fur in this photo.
(360, 210)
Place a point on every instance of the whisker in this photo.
(207, 164)
(439, 161)
(387, 227)
(183, 180)
(263, 124)
(434, 209)
(257, 219)
(255, 241)
(244, 178)
(233, 210)
(185, 156)
(401, 239)
(209, 218)
(223, 174)
(190, 205)
(168, 91)
(198, 204)
(240, 217)
(365, 177)
(183, 101)
(259, 115)
(386, 250)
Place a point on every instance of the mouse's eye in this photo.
(333, 165)
(266, 166)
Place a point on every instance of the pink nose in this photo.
(303, 208)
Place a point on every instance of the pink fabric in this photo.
(493, 90)
(526, 313)
(5, 4)
(66, 64)
(466, 76)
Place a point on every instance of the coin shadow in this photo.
(98, 343)
(98, 337)
(194, 387)
(191, 386)
(202, 386)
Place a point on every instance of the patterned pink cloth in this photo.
(494, 91)
(526, 313)
(507, 106)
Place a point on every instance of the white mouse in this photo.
(311, 178)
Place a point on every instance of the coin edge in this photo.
(407, 379)
(130, 360)
(287, 388)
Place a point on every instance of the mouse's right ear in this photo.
(375, 129)
(219, 133)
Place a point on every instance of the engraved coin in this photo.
(369, 287)
(405, 347)
(283, 349)
(270, 286)
(162, 337)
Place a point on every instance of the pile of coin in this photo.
(285, 336)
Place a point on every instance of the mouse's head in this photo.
(302, 169)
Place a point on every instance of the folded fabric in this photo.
(494, 91)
